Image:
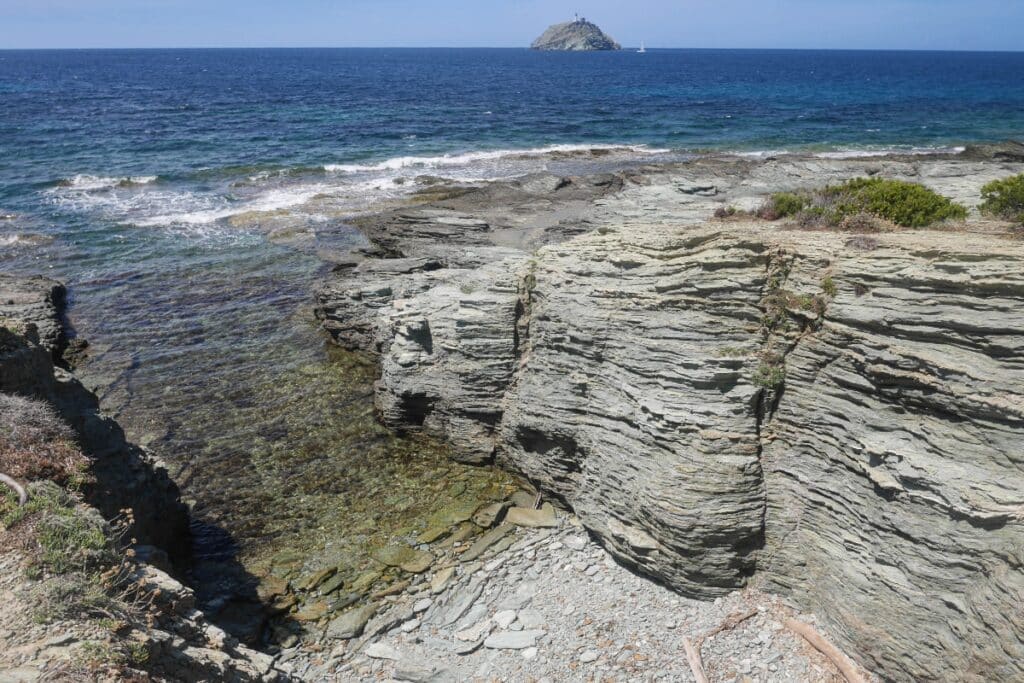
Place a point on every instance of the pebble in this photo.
(504, 618)
(618, 626)
(382, 651)
(531, 618)
(576, 543)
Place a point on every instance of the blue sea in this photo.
(184, 195)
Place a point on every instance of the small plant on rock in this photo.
(782, 205)
(1004, 198)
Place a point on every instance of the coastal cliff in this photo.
(89, 557)
(730, 403)
(575, 36)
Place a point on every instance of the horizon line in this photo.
(625, 48)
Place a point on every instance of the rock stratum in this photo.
(575, 36)
(830, 417)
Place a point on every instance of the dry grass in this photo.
(35, 444)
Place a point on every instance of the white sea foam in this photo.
(91, 183)
(274, 200)
(468, 158)
(862, 153)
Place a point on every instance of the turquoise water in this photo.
(183, 195)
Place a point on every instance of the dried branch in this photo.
(841, 661)
(18, 488)
(696, 665)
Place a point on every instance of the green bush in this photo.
(782, 205)
(1004, 198)
(908, 205)
(788, 204)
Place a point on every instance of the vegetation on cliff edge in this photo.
(860, 203)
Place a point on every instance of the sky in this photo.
(839, 24)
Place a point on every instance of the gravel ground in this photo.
(551, 605)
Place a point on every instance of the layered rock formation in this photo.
(575, 36)
(835, 419)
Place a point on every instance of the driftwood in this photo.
(693, 648)
(841, 661)
(696, 665)
(16, 487)
(730, 622)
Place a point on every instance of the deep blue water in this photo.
(151, 180)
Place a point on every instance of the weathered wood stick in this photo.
(730, 622)
(18, 488)
(693, 657)
(842, 662)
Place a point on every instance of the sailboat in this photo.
(642, 50)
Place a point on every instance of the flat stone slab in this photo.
(513, 640)
(351, 623)
(544, 518)
(408, 559)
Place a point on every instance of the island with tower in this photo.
(578, 35)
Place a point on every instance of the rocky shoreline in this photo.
(148, 622)
(603, 337)
(604, 340)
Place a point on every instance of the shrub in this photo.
(769, 375)
(828, 285)
(905, 204)
(782, 205)
(863, 205)
(1004, 198)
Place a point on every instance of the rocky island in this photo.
(578, 35)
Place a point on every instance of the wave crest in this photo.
(92, 183)
(400, 163)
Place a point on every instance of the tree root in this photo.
(841, 661)
(16, 487)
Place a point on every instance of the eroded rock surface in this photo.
(722, 403)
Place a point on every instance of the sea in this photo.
(186, 196)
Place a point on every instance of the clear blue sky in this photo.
(900, 24)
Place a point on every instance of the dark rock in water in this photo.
(1011, 150)
(576, 36)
